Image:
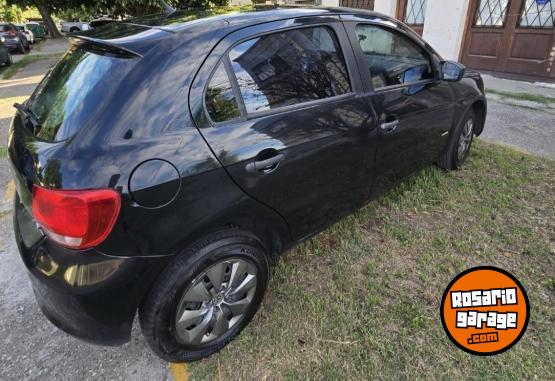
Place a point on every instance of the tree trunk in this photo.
(43, 9)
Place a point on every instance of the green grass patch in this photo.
(361, 300)
(523, 96)
(25, 61)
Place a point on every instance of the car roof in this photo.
(138, 35)
(236, 16)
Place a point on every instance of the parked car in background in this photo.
(15, 39)
(163, 166)
(37, 29)
(27, 32)
(74, 26)
(5, 55)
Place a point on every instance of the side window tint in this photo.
(290, 67)
(392, 58)
(220, 100)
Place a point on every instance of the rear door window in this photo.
(289, 67)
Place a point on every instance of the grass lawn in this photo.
(361, 300)
(523, 96)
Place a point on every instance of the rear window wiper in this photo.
(29, 116)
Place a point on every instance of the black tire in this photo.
(9, 62)
(158, 310)
(28, 46)
(454, 155)
(21, 48)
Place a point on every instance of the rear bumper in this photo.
(84, 293)
(11, 44)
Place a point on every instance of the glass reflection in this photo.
(220, 100)
(286, 68)
(73, 90)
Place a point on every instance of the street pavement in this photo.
(33, 349)
(525, 125)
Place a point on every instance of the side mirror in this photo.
(452, 71)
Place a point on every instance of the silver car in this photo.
(27, 33)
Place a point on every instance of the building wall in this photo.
(388, 7)
(329, 3)
(444, 26)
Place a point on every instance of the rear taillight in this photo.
(76, 219)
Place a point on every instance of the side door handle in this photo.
(266, 165)
(388, 127)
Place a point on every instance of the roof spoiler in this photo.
(103, 46)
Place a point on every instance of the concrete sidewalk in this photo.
(510, 85)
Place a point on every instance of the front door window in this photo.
(392, 59)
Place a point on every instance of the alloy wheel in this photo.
(216, 301)
(465, 140)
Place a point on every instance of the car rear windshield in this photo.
(76, 91)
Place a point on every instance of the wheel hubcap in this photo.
(465, 140)
(216, 301)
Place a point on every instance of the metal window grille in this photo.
(415, 12)
(538, 14)
(491, 13)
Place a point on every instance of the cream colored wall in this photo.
(329, 3)
(388, 7)
(444, 26)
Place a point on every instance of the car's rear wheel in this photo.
(21, 48)
(9, 62)
(205, 297)
(460, 141)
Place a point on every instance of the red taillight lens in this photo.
(10, 33)
(76, 218)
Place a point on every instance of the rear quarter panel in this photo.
(145, 118)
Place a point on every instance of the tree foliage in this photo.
(83, 8)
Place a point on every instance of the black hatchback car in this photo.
(164, 163)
